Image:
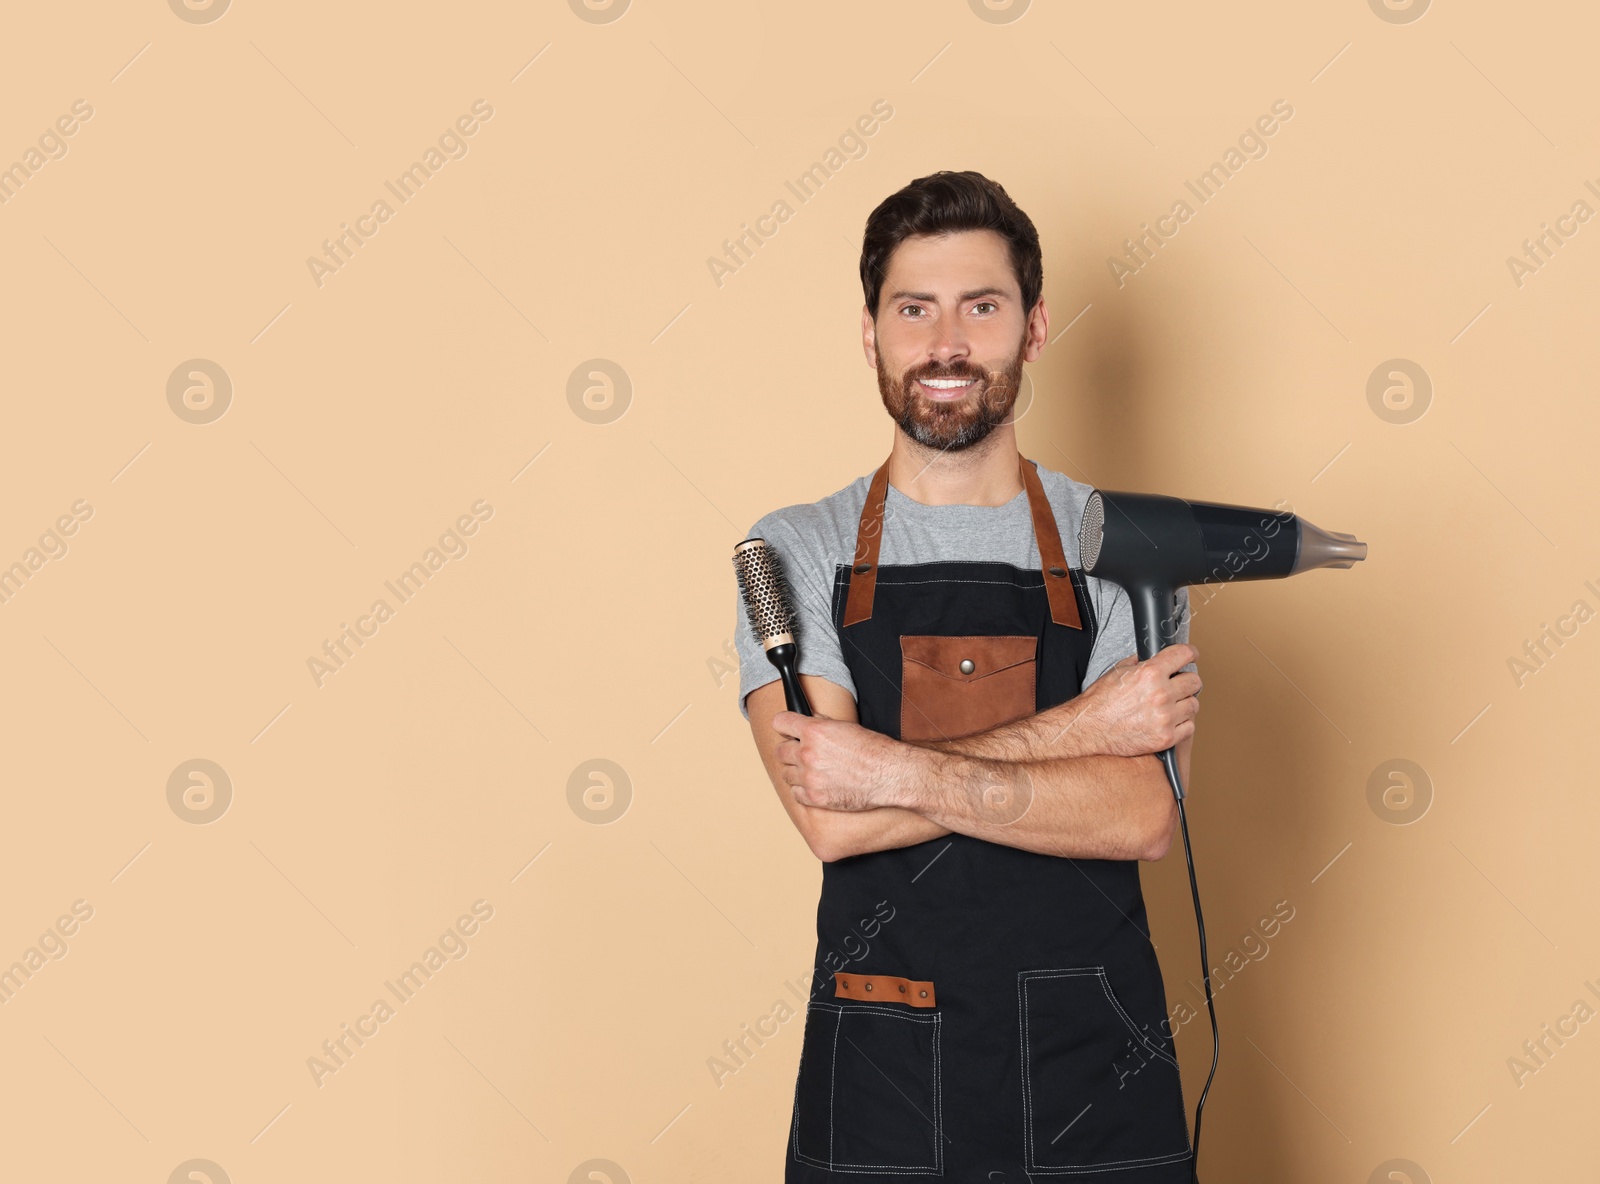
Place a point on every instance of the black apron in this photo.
(978, 1011)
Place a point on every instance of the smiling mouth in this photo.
(946, 389)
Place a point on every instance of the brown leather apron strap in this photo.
(864, 575)
(1052, 558)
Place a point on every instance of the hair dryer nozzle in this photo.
(1326, 548)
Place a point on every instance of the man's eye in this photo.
(911, 308)
(984, 304)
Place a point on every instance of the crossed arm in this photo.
(1056, 782)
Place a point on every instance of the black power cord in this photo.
(1169, 762)
(1205, 964)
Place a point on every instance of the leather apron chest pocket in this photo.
(955, 686)
(867, 1098)
(1098, 1091)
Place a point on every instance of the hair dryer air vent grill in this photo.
(1091, 531)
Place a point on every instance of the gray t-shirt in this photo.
(811, 540)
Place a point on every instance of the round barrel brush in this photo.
(770, 611)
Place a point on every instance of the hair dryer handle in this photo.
(1155, 619)
(1155, 627)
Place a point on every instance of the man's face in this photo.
(950, 337)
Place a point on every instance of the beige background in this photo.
(589, 616)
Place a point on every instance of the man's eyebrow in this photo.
(930, 297)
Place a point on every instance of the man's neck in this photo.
(985, 474)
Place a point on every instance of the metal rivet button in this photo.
(863, 568)
(924, 994)
(902, 988)
(1058, 571)
(966, 666)
(869, 986)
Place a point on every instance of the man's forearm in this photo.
(1066, 730)
(1089, 807)
(841, 833)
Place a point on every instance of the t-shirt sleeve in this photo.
(1116, 640)
(807, 568)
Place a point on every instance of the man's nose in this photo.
(950, 344)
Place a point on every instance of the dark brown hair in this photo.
(943, 202)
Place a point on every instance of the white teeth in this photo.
(945, 384)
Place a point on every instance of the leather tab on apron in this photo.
(1046, 534)
(883, 988)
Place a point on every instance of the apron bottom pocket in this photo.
(867, 1097)
(1098, 1092)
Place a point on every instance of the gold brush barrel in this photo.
(766, 596)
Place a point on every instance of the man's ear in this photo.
(869, 338)
(1037, 331)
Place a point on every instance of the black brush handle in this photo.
(783, 657)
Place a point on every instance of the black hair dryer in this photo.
(1153, 545)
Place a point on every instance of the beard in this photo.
(960, 423)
